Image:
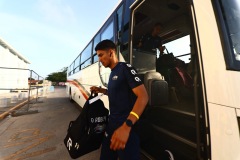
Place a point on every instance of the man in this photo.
(127, 100)
(149, 42)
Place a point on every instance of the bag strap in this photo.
(92, 96)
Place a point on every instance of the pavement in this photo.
(39, 135)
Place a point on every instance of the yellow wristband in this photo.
(135, 114)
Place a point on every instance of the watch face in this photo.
(129, 123)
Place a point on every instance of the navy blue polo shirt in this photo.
(122, 80)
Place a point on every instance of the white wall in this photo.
(12, 78)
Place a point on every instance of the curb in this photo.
(3, 115)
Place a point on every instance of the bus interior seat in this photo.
(157, 88)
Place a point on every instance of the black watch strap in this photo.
(129, 123)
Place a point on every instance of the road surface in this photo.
(39, 136)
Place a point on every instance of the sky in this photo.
(51, 33)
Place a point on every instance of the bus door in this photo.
(175, 119)
(220, 52)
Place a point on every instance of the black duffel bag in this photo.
(85, 134)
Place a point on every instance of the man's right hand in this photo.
(95, 89)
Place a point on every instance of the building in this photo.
(14, 69)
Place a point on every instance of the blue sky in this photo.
(51, 33)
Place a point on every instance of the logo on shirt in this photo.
(129, 65)
(133, 71)
(114, 77)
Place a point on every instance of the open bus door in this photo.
(179, 125)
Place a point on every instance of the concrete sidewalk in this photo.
(40, 136)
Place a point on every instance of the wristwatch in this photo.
(129, 123)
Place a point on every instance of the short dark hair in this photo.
(106, 44)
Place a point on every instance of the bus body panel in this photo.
(224, 130)
(221, 84)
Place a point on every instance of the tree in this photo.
(58, 76)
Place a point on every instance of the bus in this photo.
(198, 115)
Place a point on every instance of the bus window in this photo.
(77, 64)
(69, 71)
(119, 17)
(71, 68)
(180, 48)
(86, 63)
(105, 72)
(95, 42)
(86, 54)
(126, 22)
(125, 31)
(122, 48)
(108, 32)
(95, 58)
(229, 23)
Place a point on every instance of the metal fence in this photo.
(21, 87)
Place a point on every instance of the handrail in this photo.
(184, 55)
(175, 136)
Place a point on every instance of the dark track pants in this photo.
(131, 151)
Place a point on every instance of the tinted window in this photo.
(76, 69)
(119, 17)
(228, 14)
(86, 63)
(95, 58)
(70, 69)
(72, 66)
(77, 64)
(127, 12)
(126, 21)
(86, 53)
(96, 41)
(108, 32)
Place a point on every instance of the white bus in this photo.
(198, 115)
